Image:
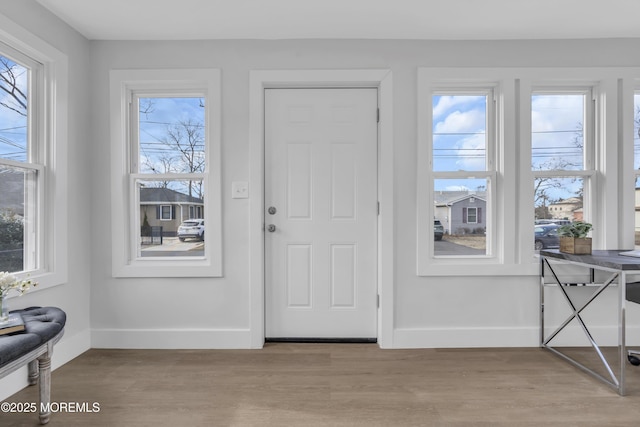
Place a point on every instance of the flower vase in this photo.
(4, 309)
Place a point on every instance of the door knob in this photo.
(272, 210)
(271, 228)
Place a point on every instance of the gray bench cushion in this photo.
(41, 325)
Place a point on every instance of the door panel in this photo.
(321, 178)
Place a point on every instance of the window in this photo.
(501, 151)
(20, 165)
(33, 160)
(171, 135)
(459, 188)
(463, 141)
(471, 215)
(165, 213)
(561, 161)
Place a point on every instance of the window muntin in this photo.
(21, 169)
(462, 146)
(560, 153)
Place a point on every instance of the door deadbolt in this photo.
(272, 210)
(271, 228)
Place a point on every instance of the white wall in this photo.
(429, 311)
(72, 296)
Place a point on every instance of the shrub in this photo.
(11, 242)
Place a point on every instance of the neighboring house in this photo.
(566, 209)
(168, 208)
(578, 214)
(461, 212)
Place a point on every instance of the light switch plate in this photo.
(239, 190)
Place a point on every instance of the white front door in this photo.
(321, 213)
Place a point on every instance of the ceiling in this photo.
(354, 19)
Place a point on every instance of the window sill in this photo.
(160, 268)
(465, 269)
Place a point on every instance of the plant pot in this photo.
(575, 245)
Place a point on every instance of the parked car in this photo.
(553, 221)
(438, 230)
(544, 221)
(546, 236)
(192, 228)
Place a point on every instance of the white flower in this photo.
(9, 282)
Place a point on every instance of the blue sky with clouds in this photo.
(156, 116)
(13, 126)
(460, 132)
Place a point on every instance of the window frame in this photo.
(448, 81)
(162, 217)
(125, 85)
(475, 214)
(592, 141)
(33, 251)
(612, 89)
(48, 151)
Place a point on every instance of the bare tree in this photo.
(187, 140)
(162, 164)
(10, 72)
(542, 185)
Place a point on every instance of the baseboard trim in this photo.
(572, 336)
(324, 340)
(171, 338)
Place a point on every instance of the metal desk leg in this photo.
(622, 349)
(616, 383)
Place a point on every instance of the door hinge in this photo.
(378, 301)
(378, 208)
(378, 116)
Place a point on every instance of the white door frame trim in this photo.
(262, 79)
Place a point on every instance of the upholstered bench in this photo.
(44, 327)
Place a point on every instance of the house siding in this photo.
(459, 225)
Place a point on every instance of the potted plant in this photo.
(573, 238)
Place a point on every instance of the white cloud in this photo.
(457, 188)
(447, 103)
(462, 122)
(555, 122)
(471, 153)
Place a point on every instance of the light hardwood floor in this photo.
(332, 385)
